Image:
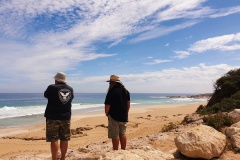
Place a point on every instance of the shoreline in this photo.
(23, 108)
(37, 119)
(19, 129)
(143, 121)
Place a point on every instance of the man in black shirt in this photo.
(117, 105)
(58, 114)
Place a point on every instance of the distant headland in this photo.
(197, 96)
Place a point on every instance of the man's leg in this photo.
(115, 143)
(54, 149)
(123, 141)
(63, 148)
(113, 132)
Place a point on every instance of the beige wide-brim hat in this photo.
(61, 77)
(114, 78)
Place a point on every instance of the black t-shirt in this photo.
(59, 101)
(118, 98)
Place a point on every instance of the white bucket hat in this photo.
(114, 78)
(60, 77)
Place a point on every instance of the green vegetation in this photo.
(226, 95)
(225, 105)
(219, 120)
(225, 98)
(170, 126)
(200, 109)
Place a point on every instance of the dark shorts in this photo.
(116, 128)
(57, 129)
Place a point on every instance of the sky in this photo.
(154, 46)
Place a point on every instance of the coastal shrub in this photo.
(219, 120)
(170, 126)
(226, 105)
(200, 109)
(224, 87)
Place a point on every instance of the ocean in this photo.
(20, 109)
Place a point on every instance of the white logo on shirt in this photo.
(64, 95)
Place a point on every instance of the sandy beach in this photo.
(142, 122)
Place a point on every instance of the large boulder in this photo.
(233, 132)
(235, 114)
(193, 118)
(201, 142)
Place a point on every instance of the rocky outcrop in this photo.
(192, 140)
(233, 132)
(235, 114)
(201, 142)
(137, 148)
(137, 154)
(193, 118)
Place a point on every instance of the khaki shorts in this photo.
(57, 129)
(116, 128)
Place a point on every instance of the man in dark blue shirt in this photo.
(117, 105)
(58, 114)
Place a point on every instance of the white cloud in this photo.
(195, 79)
(28, 60)
(39, 38)
(226, 11)
(96, 20)
(162, 31)
(158, 61)
(223, 43)
(58, 35)
(115, 43)
(167, 44)
(181, 54)
(184, 9)
(229, 42)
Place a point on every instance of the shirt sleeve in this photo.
(108, 99)
(128, 96)
(46, 93)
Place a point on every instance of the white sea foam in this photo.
(156, 97)
(84, 106)
(188, 99)
(12, 112)
(134, 103)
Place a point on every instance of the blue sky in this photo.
(155, 46)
